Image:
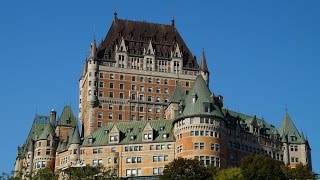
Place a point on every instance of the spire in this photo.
(289, 130)
(173, 21)
(178, 94)
(67, 118)
(115, 10)
(75, 139)
(203, 66)
(93, 50)
(150, 49)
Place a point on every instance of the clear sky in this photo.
(262, 55)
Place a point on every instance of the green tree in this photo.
(185, 169)
(213, 171)
(90, 172)
(261, 167)
(45, 173)
(230, 174)
(299, 172)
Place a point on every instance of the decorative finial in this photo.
(173, 21)
(286, 108)
(115, 10)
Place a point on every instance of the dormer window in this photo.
(207, 107)
(147, 136)
(90, 140)
(164, 136)
(131, 137)
(161, 128)
(114, 138)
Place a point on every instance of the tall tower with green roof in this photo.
(296, 148)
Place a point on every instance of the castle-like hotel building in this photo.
(145, 101)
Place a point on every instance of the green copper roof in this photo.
(67, 117)
(38, 125)
(253, 120)
(178, 94)
(202, 95)
(289, 131)
(131, 129)
(75, 138)
(48, 130)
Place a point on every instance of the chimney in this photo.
(53, 114)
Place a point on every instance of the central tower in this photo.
(131, 75)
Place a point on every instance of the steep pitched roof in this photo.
(49, 130)
(289, 131)
(75, 138)
(200, 91)
(38, 125)
(137, 36)
(67, 118)
(178, 94)
(204, 66)
(101, 136)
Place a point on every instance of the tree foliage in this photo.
(45, 173)
(185, 169)
(299, 172)
(90, 172)
(261, 167)
(230, 174)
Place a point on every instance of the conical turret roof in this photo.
(289, 131)
(75, 138)
(203, 97)
(67, 118)
(48, 130)
(178, 94)
(204, 66)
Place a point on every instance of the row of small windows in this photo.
(160, 147)
(114, 160)
(209, 160)
(40, 164)
(255, 150)
(133, 160)
(205, 120)
(205, 133)
(133, 148)
(201, 145)
(141, 79)
(48, 152)
(160, 158)
(133, 172)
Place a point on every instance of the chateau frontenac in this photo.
(144, 100)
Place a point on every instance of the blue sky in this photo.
(263, 55)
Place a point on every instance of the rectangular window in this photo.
(120, 107)
(121, 86)
(99, 124)
(121, 95)
(120, 117)
(111, 85)
(110, 116)
(100, 84)
(121, 77)
(110, 94)
(111, 76)
(133, 78)
(48, 151)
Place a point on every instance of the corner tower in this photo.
(296, 147)
(200, 127)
